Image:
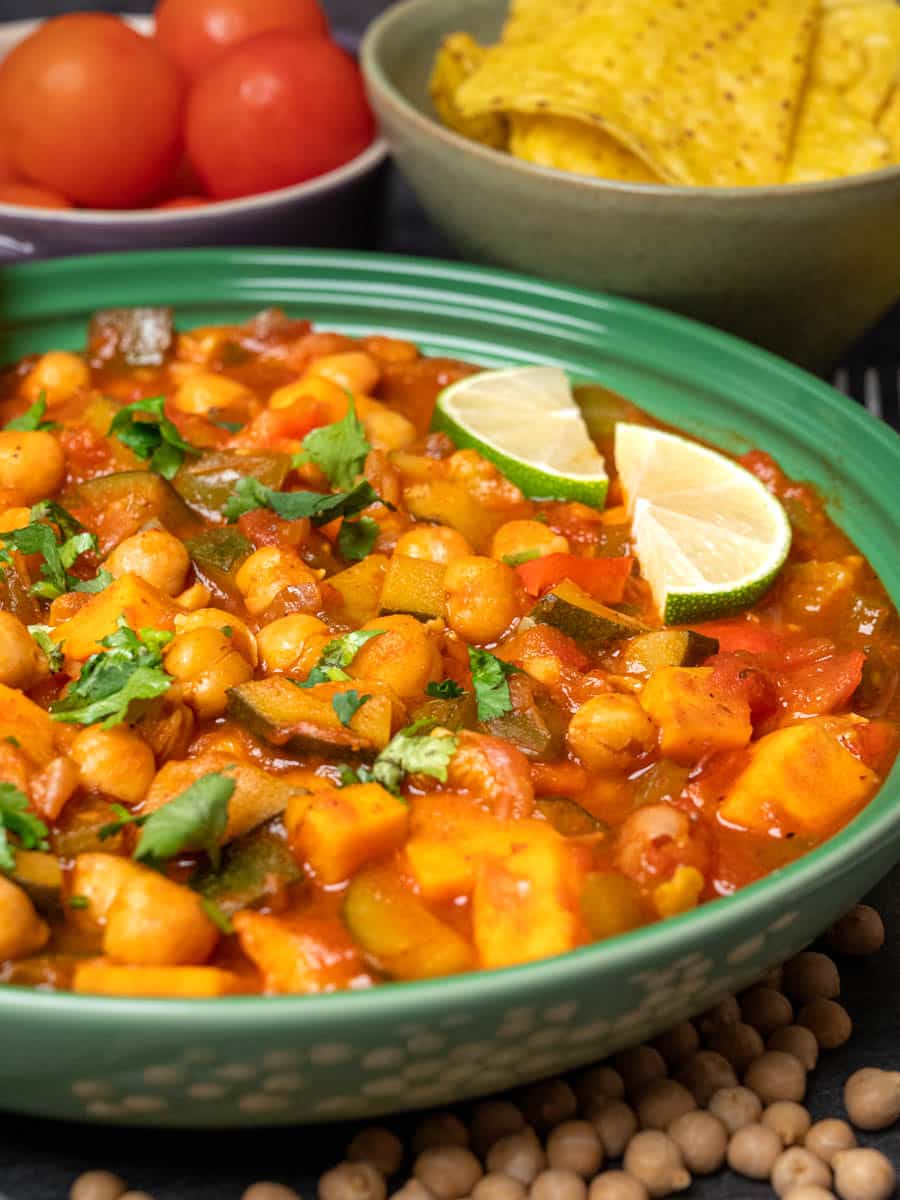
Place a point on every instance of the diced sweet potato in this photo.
(694, 717)
(353, 826)
(799, 780)
(27, 726)
(441, 870)
(300, 954)
(102, 978)
(142, 605)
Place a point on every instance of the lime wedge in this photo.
(710, 538)
(526, 421)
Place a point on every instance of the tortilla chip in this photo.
(705, 93)
(889, 124)
(531, 20)
(832, 140)
(457, 58)
(857, 53)
(571, 145)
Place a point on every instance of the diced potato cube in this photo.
(441, 870)
(101, 978)
(353, 826)
(300, 954)
(694, 719)
(142, 605)
(27, 726)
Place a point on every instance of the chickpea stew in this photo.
(286, 707)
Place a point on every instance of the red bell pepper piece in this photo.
(602, 578)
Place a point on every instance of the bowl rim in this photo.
(860, 839)
(376, 76)
(370, 157)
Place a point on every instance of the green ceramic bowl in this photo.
(255, 1060)
(803, 270)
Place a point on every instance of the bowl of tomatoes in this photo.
(213, 122)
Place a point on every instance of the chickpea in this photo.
(654, 1159)
(216, 618)
(378, 1146)
(293, 643)
(575, 1146)
(492, 1120)
(656, 838)
(22, 932)
(404, 656)
(736, 1107)
(790, 1121)
(776, 1076)
(413, 1190)
(639, 1066)
(740, 1044)
(704, 1074)
(599, 1084)
(498, 1187)
(753, 1151)
(436, 543)
(439, 1129)
(617, 1185)
(32, 465)
(660, 1102)
(117, 761)
(796, 1040)
(872, 1098)
(829, 1022)
(155, 922)
(858, 932)
(386, 429)
(99, 878)
(678, 1043)
(97, 1185)
(527, 537)
(153, 555)
(809, 1191)
(353, 370)
(549, 1103)
(558, 1184)
(269, 1191)
(358, 1181)
(796, 1167)
(810, 976)
(519, 1155)
(826, 1138)
(482, 598)
(720, 1016)
(702, 1139)
(616, 1123)
(863, 1175)
(766, 1009)
(59, 375)
(22, 662)
(207, 665)
(449, 1172)
(268, 571)
(206, 393)
(610, 733)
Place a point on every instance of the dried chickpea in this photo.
(872, 1098)
(740, 1044)
(436, 543)
(678, 1043)
(97, 1185)
(519, 1155)
(575, 1146)
(736, 1107)
(32, 465)
(639, 1066)
(826, 1138)
(790, 1121)
(404, 656)
(753, 1151)
(796, 1167)
(616, 1123)
(809, 1191)
(448, 1172)
(268, 571)
(439, 1129)
(269, 1191)
(654, 1159)
(130, 1195)
(702, 1139)
(352, 1181)
(206, 664)
(58, 374)
(796, 1040)
(378, 1146)
(776, 1076)
(727, 1012)
(234, 628)
(660, 1102)
(617, 1185)
(492, 1120)
(811, 975)
(766, 1009)
(598, 1084)
(117, 761)
(293, 643)
(704, 1073)
(156, 922)
(829, 1022)
(558, 1184)
(858, 932)
(22, 662)
(496, 1186)
(22, 932)
(863, 1174)
(205, 393)
(547, 1104)
(413, 1190)
(155, 556)
(610, 733)
(527, 537)
(481, 597)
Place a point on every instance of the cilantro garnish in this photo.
(339, 450)
(524, 556)
(447, 689)
(357, 538)
(16, 819)
(78, 902)
(58, 550)
(220, 919)
(338, 654)
(489, 680)
(32, 418)
(348, 704)
(123, 819)
(195, 820)
(129, 670)
(410, 752)
(145, 429)
(320, 508)
(41, 635)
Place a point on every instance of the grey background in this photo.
(39, 1159)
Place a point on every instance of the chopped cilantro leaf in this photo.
(524, 556)
(489, 679)
(41, 635)
(347, 776)
(339, 450)
(356, 538)
(228, 426)
(123, 818)
(39, 537)
(447, 689)
(219, 918)
(347, 705)
(338, 654)
(16, 819)
(32, 418)
(78, 902)
(195, 820)
(320, 508)
(412, 753)
(145, 429)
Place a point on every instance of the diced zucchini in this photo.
(450, 503)
(207, 482)
(138, 337)
(667, 648)
(602, 408)
(567, 817)
(16, 597)
(665, 780)
(360, 589)
(525, 730)
(585, 620)
(253, 868)
(40, 875)
(116, 506)
(217, 554)
(84, 820)
(414, 586)
(456, 713)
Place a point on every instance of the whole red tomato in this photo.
(275, 111)
(91, 109)
(195, 32)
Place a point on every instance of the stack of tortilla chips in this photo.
(709, 93)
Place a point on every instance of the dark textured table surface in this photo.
(39, 1159)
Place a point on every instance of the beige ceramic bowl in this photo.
(803, 270)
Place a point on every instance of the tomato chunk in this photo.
(602, 578)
